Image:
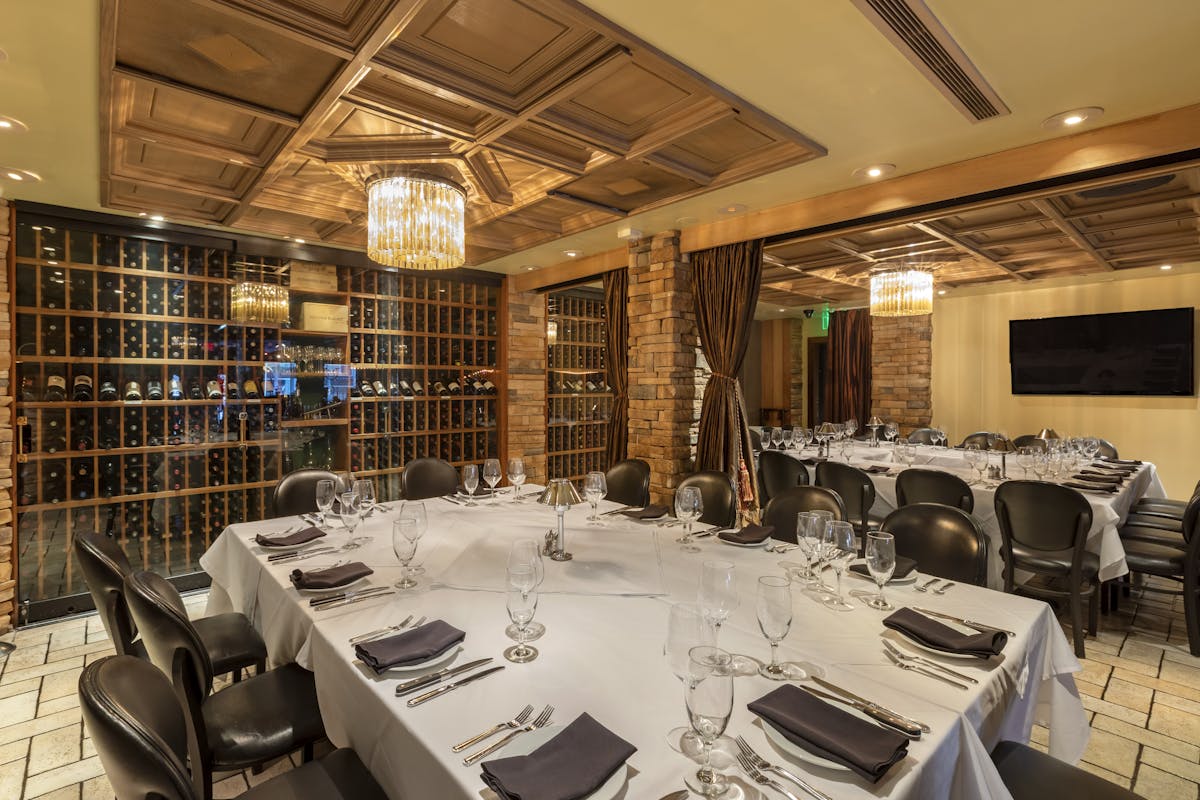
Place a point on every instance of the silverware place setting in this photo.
(348, 598)
(381, 632)
(417, 684)
(449, 687)
(970, 623)
(541, 721)
(517, 721)
(911, 667)
(756, 766)
(926, 662)
(925, 587)
(885, 716)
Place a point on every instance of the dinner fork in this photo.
(515, 722)
(926, 672)
(542, 720)
(375, 634)
(753, 763)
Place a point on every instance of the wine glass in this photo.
(595, 486)
(687, 628)
(1041, 463)
(516, 476)
(709, 695)
(415, 509)
(522, 605)
(689, 505)
(718, 598)
(491, 474)
(976, 459)
(470, 481)
(890, 431)
(819, 538)
(906, 451)
(788, 436)
(850, 428)
(804, 544)
(843, 548)
(881, 563)
(774, 609)
(527, 553)
(939, 436)
(325, 495)
(365, 489)
(404, 545)
(766, 437)
(806, 438)
(348, 511)
(777, 438)
(1025, 460)
(1090, 448)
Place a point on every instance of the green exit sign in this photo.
(825, 318)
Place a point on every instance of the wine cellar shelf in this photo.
(578, 399)
(146, 411)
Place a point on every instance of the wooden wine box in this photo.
(324, 317)
(308, 277)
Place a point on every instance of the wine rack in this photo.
(578, 399)
(145, 411)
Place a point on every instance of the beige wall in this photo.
(972, 388)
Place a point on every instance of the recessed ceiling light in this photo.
(299, 241)
(782, 310)
(1072, 118)
(572, 253)
(35, 227)
(732, 208)
(874, 171)
(941, 291)
(1165, 266)
(530, 268)
(157, 217)
(141, 213)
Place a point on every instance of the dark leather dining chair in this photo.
(1044, 530)
(628, 482)
(943, 540)
(720, 500)
(856, 490)
(1030, 774)
(142, 737)
(781, 512)
(933, 486)
(1107, 449)
(1177, 560)
(245, 724)
(778, 471)
(921, 436)
(755, 440)
(1029, 440)
(1163, 507)
(229, 639)
(296, 492)
(428, 477)
(987, 440)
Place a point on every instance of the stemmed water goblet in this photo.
(415, 510)
(348, 511)
(595, 486)
(718, 598)
(1025, 456)
(805, 435)
(805, 545)
(689, 505)
(709, 694)
(881, 563)
(850, 428)
(939, 436)
(976, 458)
(1041, 463)
(890, 431)
(818, 535)
(365, 489)
(842, 548)
(470, 481)
(491, 474)
(522, 605)
(777, 438)
(774, 609)
(325, 495)
(527, 552)
(404, 545)
(788, 436)
(516, 476)
(687, 627)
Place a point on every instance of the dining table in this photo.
(1109, 509)
(605, 612)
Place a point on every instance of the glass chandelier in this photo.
(262, 303)
(901, 293)
(415, 222)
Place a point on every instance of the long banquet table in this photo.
(606, 614)
(1108, 510)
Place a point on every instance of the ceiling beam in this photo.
(294, 32)
(163, 82)
(1047, 207)
(574, 269)
(931, 228)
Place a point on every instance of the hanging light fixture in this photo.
(551, 332)
(415, 221)
(902, 292)
(261, 303)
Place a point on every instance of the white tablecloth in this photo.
(603, 654)
(1108, 510)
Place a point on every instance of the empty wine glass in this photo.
(365, 489)
(325, 495)
(687, 628)
(523, 553)
(819, 544)
(522, 605)
(1025, 457)
(709, 695)
(939, 436)
(766, 437)
(718, 594)
(348, 511)
(470, 481)
(516, 476)
(843, 548)
(1041, 463)
(806, 438)
(1090, 448)
(404, 545)
(774, 608)
(492, 474)
(689, 505)
(415, 509)
(976, 458)
(788, 436)
(804, 545)
(850, 428)
(890, 431)
(595, 486)
(777, 438)
(881, 563)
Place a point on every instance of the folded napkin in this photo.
(829, 732)
(904, 566)
(292, 539)
(649, 512)
(934, 634)
(1090, 487)
(411, 647)
(876, 469)
(812, 460)
(751, 534)
(330, 578)
(573, 764)
(1098, 477)
(1125, 461)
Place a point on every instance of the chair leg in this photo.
(237, 675)
(1077, 620)
(260, 667)
(306, 754)
(1094, 609)
(1106, 597)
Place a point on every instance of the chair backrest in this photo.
(171, 640)
(852, 485)
(629, 482)
(755, 440)
(781, 512)
(943, 540)
(921, 436)
(777, 472)
(933, 486)
(296, 492)
(720, 501)
(138, 728)
(1042, 516)
(1107, 450)
(428, 477)
(987, 440)
(1029, 440)
(104, 567)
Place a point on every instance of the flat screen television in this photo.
(1128, 353)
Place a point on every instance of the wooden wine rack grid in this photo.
(576, 414)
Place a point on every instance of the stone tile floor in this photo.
(1139, 684)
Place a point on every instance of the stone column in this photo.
(901, 370)
(7, 543)
(662, 361)
(798, 389)
(526, 365)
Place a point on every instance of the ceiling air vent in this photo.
(912, 27)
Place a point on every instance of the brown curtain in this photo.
(850, 365)
(725, 283)
(616, 364)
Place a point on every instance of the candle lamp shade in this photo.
(1048, 433)
(560, 494)
(875, 423)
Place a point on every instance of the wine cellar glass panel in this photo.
(578, 398)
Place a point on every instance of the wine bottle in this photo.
(477, 386)
(440, 389)
(133, 428)
(250, 389)
(154, 389)
(133, 391)
(81, 479)
(29, 389)
(81, 389)
(380, 389)
(154, 421)
(194, 390)
(81, 431)
(81, 338)
(232, 391)
(405, 389)
(268, 387)
(56, 389)
(418, 389)
(175, 388)
(54, 437)
(453, 387)
(54, 488)
(366, 388)
(214, 390)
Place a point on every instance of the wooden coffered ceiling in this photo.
(266, 114)
(1124, 224)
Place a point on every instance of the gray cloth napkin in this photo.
(1098, 477)
(292, 539)
(934, 634)
(331, 577)
(572, 765)
(751, 534)
(876, 469)
(411, 647)
(904, 566)
(1091, 487)
(649, 512)
(828, 732)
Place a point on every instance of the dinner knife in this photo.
(449, 687)
(617, 510)
(408, 687)
(979, 626)
(356, 599)
(296, 553)
(344, 596)
(909, 727)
